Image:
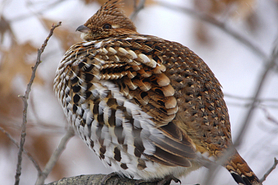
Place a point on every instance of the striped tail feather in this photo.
(241, 172)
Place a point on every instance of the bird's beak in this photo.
(83, 29)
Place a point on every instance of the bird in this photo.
(149, 108)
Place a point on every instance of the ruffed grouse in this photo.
(148, 107)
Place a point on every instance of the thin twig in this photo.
(250, 98)
(270, 64)
(268, 116)
(222, 26)
(249, 104)
(37, 166)
(137, 8)
(55, 156)
(270, 170)
(25, 104)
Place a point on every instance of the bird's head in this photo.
(108, 21)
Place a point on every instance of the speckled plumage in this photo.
(146, 106)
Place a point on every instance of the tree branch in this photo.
(25, 104)
(250, 98)
(24, 151)
(268, 116)
(55, 156)
(98, 178)
(270, 170)
(270, 64)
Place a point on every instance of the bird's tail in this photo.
(241, 172)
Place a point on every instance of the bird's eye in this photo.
(107, 26)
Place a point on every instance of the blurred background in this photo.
(236, 38)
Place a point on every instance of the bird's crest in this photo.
(112, 14)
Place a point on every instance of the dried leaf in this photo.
(245, 9)
(211, 7)
(253, 22)
(202, 33)
(10, 107)
(15, 62)
(4, 28)
(236, 8)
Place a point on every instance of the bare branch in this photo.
(269, 116)
(247, 102)
(25, 104)
(137, 8)
(270, 170)
(55, 156)
(221, 25)
(270, 64)
(251, 98)
(24, 151)
(98, 178)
